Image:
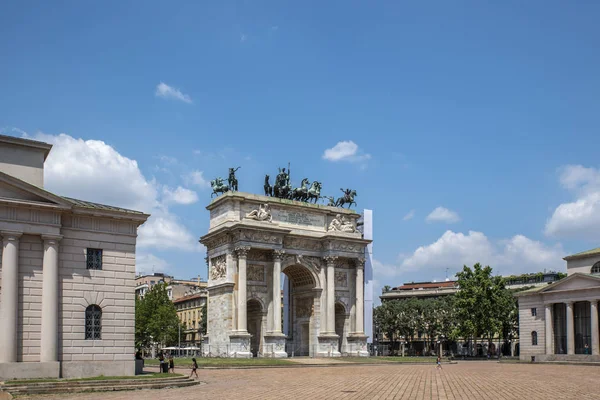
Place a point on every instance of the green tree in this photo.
(156, 319)
(204, 319)
(480, 303)
(387, 318)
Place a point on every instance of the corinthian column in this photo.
(570, 329)
(277, 256)
(360, 266)
(331, 293)
(242, 253)
(9, 302)
(49, 340)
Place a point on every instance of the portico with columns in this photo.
(560, 322)
(46, 285)
(247, 258)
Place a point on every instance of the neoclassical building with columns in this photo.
(559, 322)
(254, 241)
(67, 289)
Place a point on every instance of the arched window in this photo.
(596, 268)
(93, 322)
(534, 338)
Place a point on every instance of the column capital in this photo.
(360, 262)
(569, 303)
(330, 259)
(278, 254)
(242, 251)
(11, 235)
(51, 239)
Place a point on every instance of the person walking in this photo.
(194, 368)
(171, 363)
(439, 362)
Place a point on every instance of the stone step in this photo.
(9, 384)
(106, 387)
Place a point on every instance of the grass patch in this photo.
(96, 378)
(222, 362)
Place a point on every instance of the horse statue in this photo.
(268, 187)
(218, 186)
(314, 192)
(347, 198)
(301, 193)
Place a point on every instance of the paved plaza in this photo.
(465, 380)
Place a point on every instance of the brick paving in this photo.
(465, 380)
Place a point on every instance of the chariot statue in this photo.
(282, 187)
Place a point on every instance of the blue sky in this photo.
(486, 112)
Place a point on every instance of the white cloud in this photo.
(179, 196)
(165, 231)
(345, 151)
(167, 92)
(452, 250)
(442, 214)
(146, 264)
(196, 178)
(455, 249)
(243, 37)
(93, 170)
(580, 218)
(408, 216)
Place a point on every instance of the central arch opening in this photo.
(301, 310)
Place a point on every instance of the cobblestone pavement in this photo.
(465, 380)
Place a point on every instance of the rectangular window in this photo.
(94, 259)
(534, 312)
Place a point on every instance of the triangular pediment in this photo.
(16, 190)
(574, 282)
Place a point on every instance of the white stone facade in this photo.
(47, 286)
(560, 321)
(252, 240)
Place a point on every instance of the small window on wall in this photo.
(596, 268)
(94, 259)
(534, 338)
(93, 322)
(534, 312)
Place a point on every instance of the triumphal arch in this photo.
(251, 241)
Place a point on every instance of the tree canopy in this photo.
(407, 318)
(484, 307)
(156, 318)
